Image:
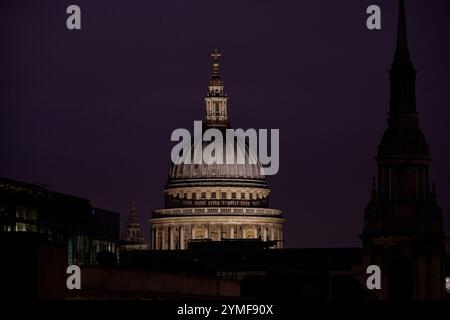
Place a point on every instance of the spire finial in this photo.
(403, 76)
(402, 36)
(133, 208)
(132, 218)
(216, 54)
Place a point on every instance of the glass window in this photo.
(21, 212)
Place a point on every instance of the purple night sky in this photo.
(90, 112)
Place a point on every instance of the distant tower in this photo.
(134, 239)
(403, 225)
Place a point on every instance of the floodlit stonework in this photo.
(215, 201)
(134, 238)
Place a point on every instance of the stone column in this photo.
(158, 239)
(278, 238)
(163, 238)
(182, 238)
(232, 232)
(172, 243)
(152, 244)
(281, 238)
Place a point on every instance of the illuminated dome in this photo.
(250, 170)
(216, 200)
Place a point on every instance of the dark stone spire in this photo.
(403, 224)
(403, 151)
(403, 140)
(402, 50)
(403, 74)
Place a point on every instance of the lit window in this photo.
(21, 227)
(21, 213)
(447, 284)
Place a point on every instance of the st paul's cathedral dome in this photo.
(218, 201)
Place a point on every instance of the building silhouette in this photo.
(216, 201)
(64, 220)
(403, 224)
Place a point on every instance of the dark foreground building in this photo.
(264, 272)
(64, 220)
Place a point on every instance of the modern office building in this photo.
(64, 219)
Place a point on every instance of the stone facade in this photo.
(174, 233)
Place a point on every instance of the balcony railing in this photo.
(216, 210)
(181, 203)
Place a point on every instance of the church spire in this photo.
(403, 77)
(403, 224)
(216, 98)
(402, 36)
(133, 237)
(403, 140)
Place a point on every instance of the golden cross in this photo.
(216, 54)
